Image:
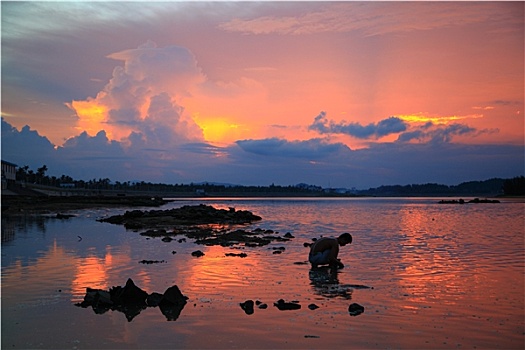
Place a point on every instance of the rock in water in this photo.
(247, 306)
(172, 303)
(197, 253)
(313, 307)
(154, 299)
(282, 305)
(355, 309)
(129, 294)
(173, 295)
(131, 300)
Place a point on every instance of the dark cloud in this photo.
(445, 134)
(98, 143)
(507, 103)
(412, 135)
(262, 162)
(203, 148)
(310, 149)
(440, 134)
(24, 147)
(391, 125)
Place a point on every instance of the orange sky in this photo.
(219, 73)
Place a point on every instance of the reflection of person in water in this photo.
(324, 281)
(325, 250)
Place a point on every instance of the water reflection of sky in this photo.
(445, 265)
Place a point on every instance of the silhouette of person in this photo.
(325, 250)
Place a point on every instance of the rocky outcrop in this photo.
(201, 223)
(282, 305)
(462, 201)
(186, 215)
(131, 300)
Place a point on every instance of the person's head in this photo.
(345, 239)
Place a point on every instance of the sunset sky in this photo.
(334, 94)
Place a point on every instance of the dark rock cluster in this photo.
(152, 261)
(247, 306)
(186, 215)
(223, 237)
(240, 255)
(203, 223)
(462, 201)
(283, 305)
(131, 300)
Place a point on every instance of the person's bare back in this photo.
(325, 250)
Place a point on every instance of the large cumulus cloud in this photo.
(145, 97)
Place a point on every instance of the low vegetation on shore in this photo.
(37, 191)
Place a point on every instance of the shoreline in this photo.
(20, 204)
(17, 205)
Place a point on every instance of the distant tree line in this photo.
(24, 174)
(495, 186)
(514, 186)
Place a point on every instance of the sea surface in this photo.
(429, 276)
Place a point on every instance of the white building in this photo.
(8, 173)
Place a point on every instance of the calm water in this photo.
(441, 276)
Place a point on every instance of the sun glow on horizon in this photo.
(218, 130)
(91, 114)
(421, 118)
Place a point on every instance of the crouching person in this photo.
(325, 251)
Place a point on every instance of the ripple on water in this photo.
(442, 276)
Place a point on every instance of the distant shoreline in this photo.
(18, 204)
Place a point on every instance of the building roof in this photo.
(9, 163)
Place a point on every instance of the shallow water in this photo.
(440, 276)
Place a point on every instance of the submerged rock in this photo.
(197, 253)
(313, 307)
(247, 306)
(152, 261)
(462, 201)
(64, 216)
(355, 309)
(282, 305)
(241, 255)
